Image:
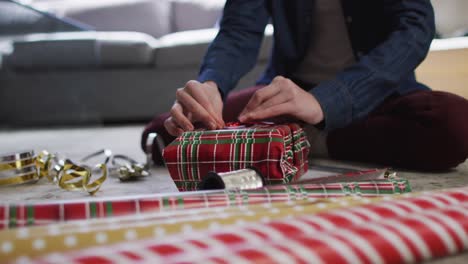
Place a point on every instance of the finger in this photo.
(260, 96)
(179, 118)
(172, 128)
(273, 111)
(277, 99)
(199, 112)
(195, 89)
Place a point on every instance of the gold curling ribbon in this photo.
(68, 175)
(74, 177)
(44, 164)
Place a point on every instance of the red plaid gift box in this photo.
(279, 152)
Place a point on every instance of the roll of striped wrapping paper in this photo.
(83, 234)
(407, 230)
(27, 214)
(95, 232)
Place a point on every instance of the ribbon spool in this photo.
(244, 179)
(18, 168)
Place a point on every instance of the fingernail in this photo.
(212, 125)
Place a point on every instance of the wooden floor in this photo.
(75, 143)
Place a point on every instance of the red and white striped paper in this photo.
(406, 230)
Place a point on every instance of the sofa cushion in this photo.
(195, 14)
(184, 48)
(81, 49)
(152, 17)
(187, 48)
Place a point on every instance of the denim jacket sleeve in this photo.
(359, 89)
(235, 49)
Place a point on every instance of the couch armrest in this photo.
(81, 49)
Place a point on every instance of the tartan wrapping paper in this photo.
(407, 230)
(17, 215)
(279, 152)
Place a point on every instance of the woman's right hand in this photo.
(196, 102)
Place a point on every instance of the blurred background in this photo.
(98, 62)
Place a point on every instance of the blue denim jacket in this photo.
(390, 38)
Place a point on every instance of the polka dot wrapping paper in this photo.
(278, 151)
(28, 214)
(412, 228)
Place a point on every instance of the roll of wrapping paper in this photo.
(91, 233)
(14, 215)
(86, 234)
(401, 231)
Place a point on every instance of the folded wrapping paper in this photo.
(39, 240)
(401, 231)
(278, 152)
(27, 214)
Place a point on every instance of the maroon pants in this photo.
(423, 130)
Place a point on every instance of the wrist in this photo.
(213, 88)
(315, 113)
(319, 115)
(211, 84)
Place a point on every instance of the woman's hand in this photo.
(282, 97)
(196, 102)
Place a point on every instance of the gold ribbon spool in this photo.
(19, 179)
(17, 164)
(5, 158)
(18, 168)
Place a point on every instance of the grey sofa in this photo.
(106, 76)
(93, 77)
